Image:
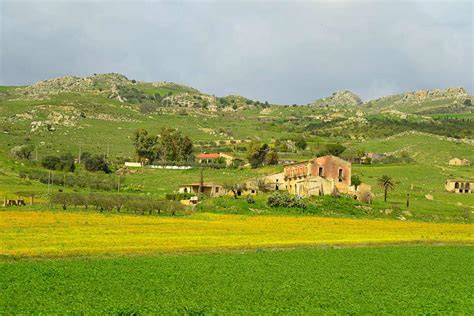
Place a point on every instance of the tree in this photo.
(235, 188)
(333, 149)
(256, 154)
(300, 143)
(145, 145)
(271, 157)
(50, 162)
(66, 163)
(174, 146)
(386, 183)
(97, 163)
(355, 181)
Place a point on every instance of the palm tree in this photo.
(386, 183)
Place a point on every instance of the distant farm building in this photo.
(133, 164)
(210, 189)
(210, 158)
(368, 158)
(459, 162)
(459, 186)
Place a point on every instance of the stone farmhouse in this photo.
(319, 176)
(208, 158)
(459, 186)
(459, 162)
(210, 189)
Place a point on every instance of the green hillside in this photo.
(100, 113)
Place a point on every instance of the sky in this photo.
(284, 52)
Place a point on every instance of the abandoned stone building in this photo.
(319, 176)
(459, 186)
(459, 162)
(208, 158)
(210, 189)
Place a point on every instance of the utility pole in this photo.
(408, 200)
(49, 182)
(80, 153)
(201, 182)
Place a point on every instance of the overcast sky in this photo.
(280, 51)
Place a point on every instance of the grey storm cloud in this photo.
(280, 51)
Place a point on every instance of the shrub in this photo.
(178, 196)
(62, 163)
(250, 199)
(97, 163)
(283, 199)
(22, 152)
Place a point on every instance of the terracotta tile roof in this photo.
(208, 156)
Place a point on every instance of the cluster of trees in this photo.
(260, 155)
(170, 145)
(74, 180)
(61, 163)
(66, 162)
(332, 149)
(117, 202)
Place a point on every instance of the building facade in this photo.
(459, 186)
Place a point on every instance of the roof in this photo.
(208, 155)
(459, 180)
(205, 184)
(311, 160)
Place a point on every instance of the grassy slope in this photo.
(398, 280)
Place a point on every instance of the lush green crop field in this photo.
(393, 280)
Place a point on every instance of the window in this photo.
(185, 190)
(456, 185)
(217, 189)
(320, 171)
(340, 175)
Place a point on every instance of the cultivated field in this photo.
(59, 234)
(404, 280)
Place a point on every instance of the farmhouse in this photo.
(459, 162)
(210, 189)
(459, 186)
(319, 176)
(207, 158)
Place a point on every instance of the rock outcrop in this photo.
(340, 98)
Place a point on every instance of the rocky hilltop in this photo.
(339, 98)
(456, 95)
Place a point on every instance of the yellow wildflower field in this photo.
(56, 234)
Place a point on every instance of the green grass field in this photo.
(386, 280)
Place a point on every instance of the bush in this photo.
(178, 196)
(97, 163)
(22, 152)
(250, 199)
(62, 163)
(283, 199)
